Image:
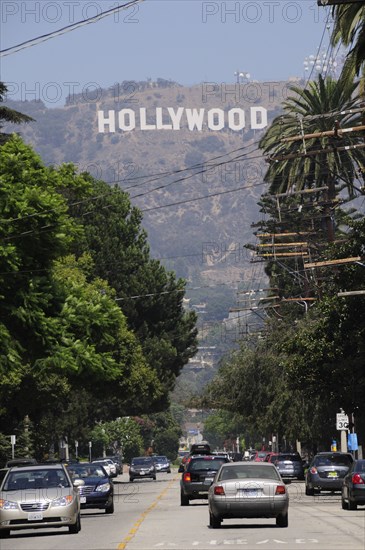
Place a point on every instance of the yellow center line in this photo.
(132, 532)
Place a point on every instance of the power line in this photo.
(68, 28)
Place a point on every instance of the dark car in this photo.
(162, 464)
(142, 467)
(353, 488)
(326, 472)
(290, 465)
(20, 462)
(198, 476)
(97, 491)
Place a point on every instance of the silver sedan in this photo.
(248, 490)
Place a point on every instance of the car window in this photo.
(292, 458)
(248, 472)
(360, 466)
(143, 461)
(212, 464)
(35, 479)
(332, 461)
(87, 471)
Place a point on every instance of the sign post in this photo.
(342, 424)
(12, 441)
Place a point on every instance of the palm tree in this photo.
(322, 160)
(349, 28)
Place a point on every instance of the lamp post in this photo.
(242, 76)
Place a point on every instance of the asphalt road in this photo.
(148, 516)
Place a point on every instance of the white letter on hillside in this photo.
(131, 120)
(219, 113)
(255, 124)
(143, 119)
(195, 118)
(241, 119)
(175, 117)
(102, 121)
(159, 121)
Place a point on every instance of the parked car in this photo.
(117, 461)
(97, 490)
(248, 490)
(353, 487)
(326, 472)
(39, 496)
(108, 465)
(162, 464)
(290, 465)
(259, 456)
(198, 476)
(142, 467)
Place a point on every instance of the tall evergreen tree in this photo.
(9, 115)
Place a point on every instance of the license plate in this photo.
(332, 474)
(249, 493)
(35, 516)
(209, 479)
(82, 500)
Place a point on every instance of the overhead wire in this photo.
(68, 28)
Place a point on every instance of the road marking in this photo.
(132, 532)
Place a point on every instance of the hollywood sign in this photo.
(169, 118)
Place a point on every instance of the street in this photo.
(148, 516)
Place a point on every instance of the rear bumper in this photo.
(249, 508)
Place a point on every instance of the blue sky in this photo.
(188, 41)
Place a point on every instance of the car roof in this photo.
(249, 463)
(35, 467)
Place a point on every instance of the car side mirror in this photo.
(78, 483)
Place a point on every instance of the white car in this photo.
(108, 465)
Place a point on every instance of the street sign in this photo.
(342, 421)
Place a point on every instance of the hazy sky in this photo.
(188, 41)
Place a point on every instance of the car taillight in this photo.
(187, 477)
(357, 479)
(218, 490)
(280, 490)
(313, 470)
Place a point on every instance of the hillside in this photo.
(201, 239)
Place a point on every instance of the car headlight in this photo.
(8, 505)
(62, 501)
(103, 487)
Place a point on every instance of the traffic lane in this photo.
(314, 523)
(99, 531)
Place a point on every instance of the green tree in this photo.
(8, 115)
(149, 296)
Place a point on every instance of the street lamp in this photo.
(242, 76)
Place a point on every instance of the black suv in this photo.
(198, 476)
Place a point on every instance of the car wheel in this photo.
(282, 520)
(214, 521)
(4, 533)
(309, 491)
(352, 505)
(131, 479)
(184, 500)
(344, 504)
(154, 478)
(169, 471)
(110, 509)
(76, 527)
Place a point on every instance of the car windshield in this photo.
(248, 472)
(91, 470)
(206, 464)
(332, 461)
(143, 461)
(35, 479)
